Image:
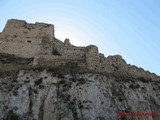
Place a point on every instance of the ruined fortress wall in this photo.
(67, 54)
(23, 39)
(21, 29)
(74, 52)
(38, 41)
(51, 60)
(21, 49)
(114, 63)
(102, 62)
(92, 58)
(70, 50)
(117, 64)
(141, 73)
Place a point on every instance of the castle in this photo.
(38, 41)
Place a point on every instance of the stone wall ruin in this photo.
(37, 41)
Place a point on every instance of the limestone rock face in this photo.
(52, 95)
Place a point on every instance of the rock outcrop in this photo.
(56, 94)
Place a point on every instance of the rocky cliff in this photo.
(69, 93)
(42, 78)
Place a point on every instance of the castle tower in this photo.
(24, 39)
(20, 28)
(92, 58)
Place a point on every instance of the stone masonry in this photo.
(23, 39)
(37, 41)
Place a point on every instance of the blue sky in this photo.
(126, 27)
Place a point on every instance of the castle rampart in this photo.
(37, 41)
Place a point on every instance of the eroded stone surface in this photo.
(47, 95)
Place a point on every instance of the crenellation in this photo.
(28, 40)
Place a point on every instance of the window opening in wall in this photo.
(29, 28)
(29, 41)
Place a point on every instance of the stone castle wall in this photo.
(92, 58)
(21, 29)
(37, 40)
(23, 39)
(49, 60)
(21, 49)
